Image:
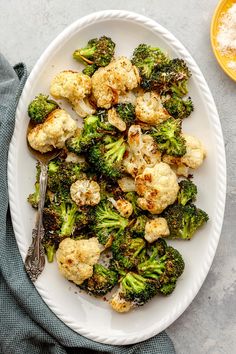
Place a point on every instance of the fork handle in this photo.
(35, 258)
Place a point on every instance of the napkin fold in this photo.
(27, 324)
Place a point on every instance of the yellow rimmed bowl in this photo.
(223, 60)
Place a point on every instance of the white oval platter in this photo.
(93, 318)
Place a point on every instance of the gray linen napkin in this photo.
(26, 323)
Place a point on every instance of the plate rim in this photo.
(218, 56)
(221, 171)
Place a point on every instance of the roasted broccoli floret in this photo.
(184, 220)
(137, 227)
(169, 78)
(165, 270)
(33, 198)
(168, 137)
(61, 217)
(170, 263)
(62, 174)
(40, 107)
(90, 69)
(61, 220)
(177, 107)
(187, 192)
(99, 51)
(128, 251)
(106, 156)
(126, 111)
(146, 58)
(106, 222)
(101, 282)
(159, 246)
(137, 289)
(93, 130)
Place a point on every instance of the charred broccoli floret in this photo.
(106, 156)
(165, 270)
(137, 289)
(93, 130)
(187, 192)
(169, 78)
(168, 137)
(106, 222)
(98, 51)
(146, 58)
(177, 107)
(171, 263)
(126, 111)
(137, 228)
(62, 174)
(33, 198)
(40, 107)
(159, 246)
(184, 220)
(128, 251)
(61, 219)
(101, 282)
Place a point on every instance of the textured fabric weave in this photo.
(26, 323)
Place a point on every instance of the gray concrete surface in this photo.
(208, 326)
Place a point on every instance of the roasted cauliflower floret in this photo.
(142, 151)
(75, 87)
(156, 228)
(150, 152)
(126, 184)
(119, 304)
(85, 192)
(193, 158)
(176, 165)
(56, 129)
(115, 120)
(158, 187)
(75, 259)
(123, 206)
(195, 153)
(149, 108)
(115, 79)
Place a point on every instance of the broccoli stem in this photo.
(68, 217)
(115, 151)
(50, 251)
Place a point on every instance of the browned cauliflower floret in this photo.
(85, 192)
(75, 87)
(115, 120)
(142, 151)
(158, 188)
(156, 228)
(149, 109)
(119, 304)
(115, 79)
(176, 164)
(195, 153)
(126, 184)
(193, 158)
(53, 132)
(75, 259)
(123, 206)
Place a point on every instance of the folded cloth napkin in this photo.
(27, 324)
